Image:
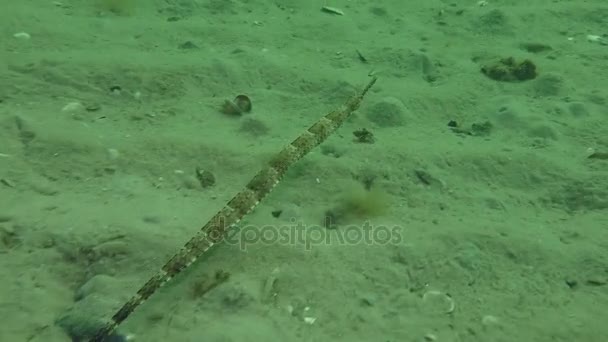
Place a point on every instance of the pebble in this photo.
(73, 107)
(489, 320)
(43, 187)
(152, 219)
(113, 154)
(88, 314)
(81, 324)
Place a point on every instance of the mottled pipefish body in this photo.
(239, 206)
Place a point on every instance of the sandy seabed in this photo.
(495, 227)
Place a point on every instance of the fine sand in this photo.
(487, 214)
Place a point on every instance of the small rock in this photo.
(26, 133)
(73, 107)
(205, 178)
(489, 320)
(152, 219)
(572, 283)
(86, 317)
(368, 300)
(9, 237)
(92, 106)
(43, 187)
(188, 45)
(113, 154)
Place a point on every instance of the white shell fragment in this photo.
(332, 10)
(310, 320)
(22, 35)
(593, 38)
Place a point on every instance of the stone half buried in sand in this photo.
(510, 70)
(87, 314)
